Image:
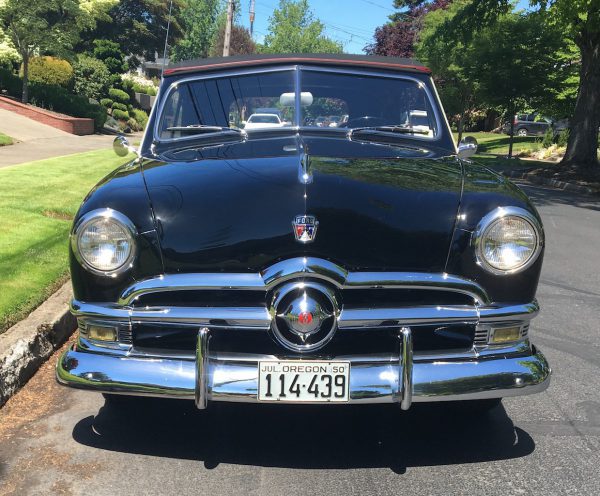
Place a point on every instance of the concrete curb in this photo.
(545, 181)
(29, 343)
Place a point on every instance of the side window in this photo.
(179, 111)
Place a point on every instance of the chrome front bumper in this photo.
(400, 378)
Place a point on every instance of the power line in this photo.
(389, 9)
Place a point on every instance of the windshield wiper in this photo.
(204, 129)
(399, 129)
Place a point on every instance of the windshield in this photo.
(328, 99)
(263, 119)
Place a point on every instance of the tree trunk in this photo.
(582, 148)
(511, 135)
(25, 95)
(461, 124)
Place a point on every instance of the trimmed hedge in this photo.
(53, 97)
(106, 102)
(92, 78)
(118, 95)
(140, 117)
(120, 115)
(50, 70)
(119, 106)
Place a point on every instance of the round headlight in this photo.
(104, 242)
(508, 240)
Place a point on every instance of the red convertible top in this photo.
(364, 61)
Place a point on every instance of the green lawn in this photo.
(37, 202)
(5, 140)
(498, 143)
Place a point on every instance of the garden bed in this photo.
(73, 125)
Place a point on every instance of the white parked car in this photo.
(257, 121)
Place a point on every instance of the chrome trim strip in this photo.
(417, 280)
(373, 379)
(500, 313)
(360, 318)
(407, 368)
(295, 268)
(191, 282)
(202, 369)
(259, 318)
(239, 317)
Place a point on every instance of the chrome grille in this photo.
(481, 336)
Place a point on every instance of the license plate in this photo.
(303, 381)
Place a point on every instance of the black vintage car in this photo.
(368, 262)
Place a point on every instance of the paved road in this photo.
(54, 440)
(38, 141)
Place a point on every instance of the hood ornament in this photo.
(305, 228)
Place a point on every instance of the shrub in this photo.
(60, 100)
(563, 138)
(91, 77)
(110, 53)
(120, 115)
(9, 56)
(118, 95)
(50, 70)
(12, 84)
(152, 91)
(548, 139)
(119, 106)
(133, 124)
(106, 102)
(141, 118)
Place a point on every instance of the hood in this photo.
(232, 208)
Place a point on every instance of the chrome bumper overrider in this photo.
(400, 378)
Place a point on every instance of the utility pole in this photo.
(230, 8)
(252, 18)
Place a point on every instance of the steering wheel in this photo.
(365, 121)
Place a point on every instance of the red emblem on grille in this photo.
(305, 318)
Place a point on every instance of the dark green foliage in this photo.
(91, 77)
(120, 115)
(118, 95)
(110, 53)
(139, 27)
(548, 139)
(54, 98)
(12, 84)
(199, 22)
(141, 118)
(120, 106)
(563, 138)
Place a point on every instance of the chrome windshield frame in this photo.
(297, 80)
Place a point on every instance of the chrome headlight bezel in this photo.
(114, 216)
(489, 220)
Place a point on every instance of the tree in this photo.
(450, 63)
(294, 29)
(398, 37)
(199, 23)
(578, 20)
(49, 26)
(241, 42)
(514, 60)
(139, 27)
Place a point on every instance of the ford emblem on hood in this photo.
(305, 228)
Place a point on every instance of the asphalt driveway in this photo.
(59, 441)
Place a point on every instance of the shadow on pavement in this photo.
(304, 436)
(543, 195)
